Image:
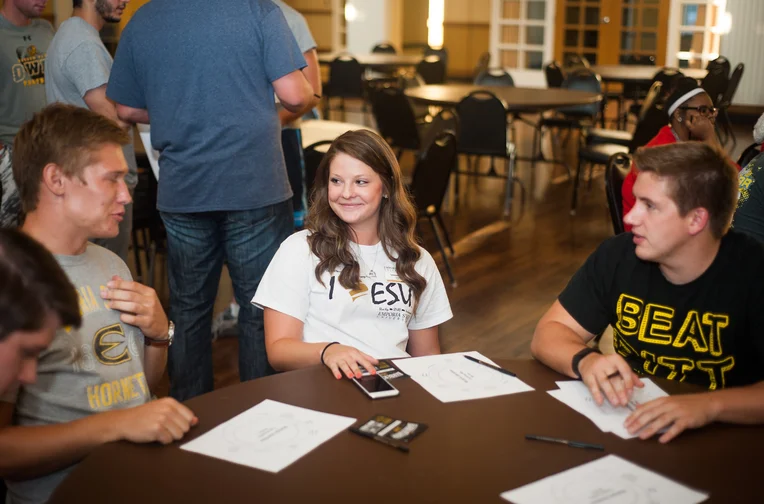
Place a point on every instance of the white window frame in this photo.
(676, 28)
(523, 76)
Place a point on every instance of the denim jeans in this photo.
(198, 245)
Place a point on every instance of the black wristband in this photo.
(324, 350)
(578, 357)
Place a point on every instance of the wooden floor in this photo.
(508, 272)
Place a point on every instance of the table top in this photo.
(316, 130)
(471, 452)
(516, 99)
(639, 73)
(375, 60)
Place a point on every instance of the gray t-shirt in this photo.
(298, 25)
(96, 368)
(78, 62)
(22, 73)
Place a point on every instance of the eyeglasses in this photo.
(703, 110)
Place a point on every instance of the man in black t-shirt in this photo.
(683, 294)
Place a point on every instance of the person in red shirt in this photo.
(691, 117)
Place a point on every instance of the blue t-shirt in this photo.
(205, 74)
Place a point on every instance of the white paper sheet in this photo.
(608, 418)
(608, 480)
(269, 436)
(451, 377)
(144, 130)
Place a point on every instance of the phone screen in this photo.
(374, 383)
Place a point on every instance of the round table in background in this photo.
(636, 74)
(471, 452)
(515, 99)
(375, 61)
(316, 130)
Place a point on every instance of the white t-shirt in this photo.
(375, 319)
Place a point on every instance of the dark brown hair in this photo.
(700, 176)
(61, 134)
(32, 284)
(330, 236)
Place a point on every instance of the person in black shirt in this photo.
(749, 214)
(683, 294)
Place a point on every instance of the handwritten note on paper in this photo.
(608, 480)
(269, 436)
(451, 377)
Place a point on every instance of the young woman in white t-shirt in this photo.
(353, 287)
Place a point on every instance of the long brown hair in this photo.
(331, 237)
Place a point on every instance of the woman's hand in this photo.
(345, 359)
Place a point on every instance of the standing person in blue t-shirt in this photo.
(206, 76)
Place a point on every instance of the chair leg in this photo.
(445, 233)
(576, 180)
(442, 251)
(508, 186)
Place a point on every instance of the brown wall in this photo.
(465, 34)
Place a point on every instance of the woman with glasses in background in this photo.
(692, 116)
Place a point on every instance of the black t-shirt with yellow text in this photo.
(709, 332)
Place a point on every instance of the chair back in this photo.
(554, 75)
(345, 77)
(575, 61)
(384, 48)
(668, 77)
(719, 65)
(445, 120)
(483, 63)
(482, 124)
(651, 98)
(395, 118)
(441, 53)
(432, 172)
(618, 167)
(715, 84)
(313, 154)
(432, 69)
(734, 82)
(494, 77)
(651, 123)
(582, 79)
(748, 154)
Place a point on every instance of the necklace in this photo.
(371, 273)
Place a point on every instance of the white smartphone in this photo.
(375, 386)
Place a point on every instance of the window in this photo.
(521, 33)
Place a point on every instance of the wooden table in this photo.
(471, 452)
(375, 61)
(515, 99)
(639, 74)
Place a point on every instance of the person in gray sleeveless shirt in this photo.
(94, 383)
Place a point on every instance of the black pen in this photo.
(573, 444)
(383, 440)
(495, 368)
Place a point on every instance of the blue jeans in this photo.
(198, 244)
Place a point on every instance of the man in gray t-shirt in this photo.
(23, 44)
(95, 383)
(77, 72)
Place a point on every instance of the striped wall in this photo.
(745, 44)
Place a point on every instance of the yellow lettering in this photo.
(88, 302)
(128, 391)
(628, 310)
(677, 365)
(717, 323)
(692, 331)
(621, 346)
(116, 391)
(649, 366)
(93, 398)
(716, 370)
(656, 325)
(106, 398)
(141, 379)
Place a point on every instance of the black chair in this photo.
(554, 75)
(748, 154)
(445, 120)
(384, 48)
(396, 120)
(483, 132)
(632, 91)
(719, 65)
(429, 185)
(432, 69)
(483, 63)
(575, 61)
(715, 83)
(494, 77)
(345, 81)
(149, 234)
(723, 119)
(620, 137)
(413, 80)
(441, 53)
(313, 154)
(618, 167)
